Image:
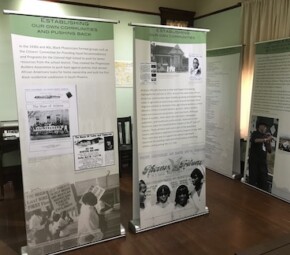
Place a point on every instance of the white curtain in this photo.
(262, 20)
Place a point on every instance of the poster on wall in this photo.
(268, 140)
(65, 84)
(170, 71)
(124, 73)
(223, 110)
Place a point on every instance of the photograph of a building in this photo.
(169, 58)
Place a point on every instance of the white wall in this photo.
(207, 6)
(225, 28)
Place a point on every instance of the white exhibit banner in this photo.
(268, 147)
(170, 84)
(223, 110)
(65, 84)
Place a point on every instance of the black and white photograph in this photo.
(262, 150)
(142, 194)
(195, 66)
(109, 143)
(171, 189)
(50, 124)
(169, 58)
(163, 203)
(284, 143)
(184, 204)
(72, 214)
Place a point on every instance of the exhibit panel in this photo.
(268, 140)
(223, 110)
(170, 86)
(65, 84)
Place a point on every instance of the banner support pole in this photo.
(163, 26)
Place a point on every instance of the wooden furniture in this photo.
(125, 143)
(175, 17)
(9, 142)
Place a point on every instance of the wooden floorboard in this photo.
(239, 217)
(278, 246)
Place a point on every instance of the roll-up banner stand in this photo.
(169, 178)
(223, 110)
(65, 84)
(268, 147)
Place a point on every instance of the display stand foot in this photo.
(134, 225)
(237, 176)
(41, 249)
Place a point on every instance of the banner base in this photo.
(134, 225)
(38, 250)
(237, 176)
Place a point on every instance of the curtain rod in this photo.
(226, 47)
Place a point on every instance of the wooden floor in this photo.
(240, 217)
